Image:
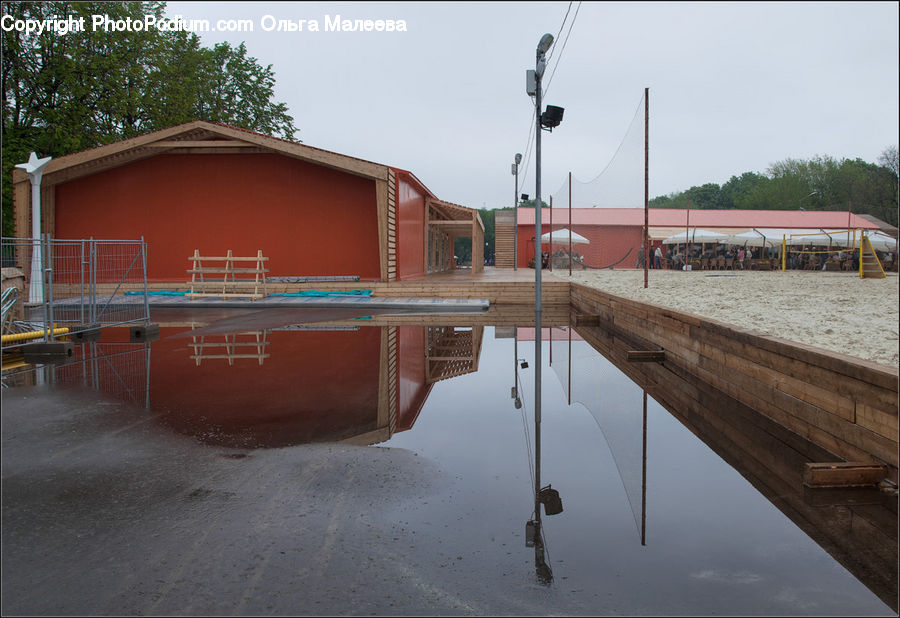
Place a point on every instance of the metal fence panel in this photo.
(82, 284)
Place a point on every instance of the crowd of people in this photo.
(741, 258)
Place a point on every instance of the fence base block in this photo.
(49, 352)
(84, 333)
(140, 334)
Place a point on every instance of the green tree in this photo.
(65, 93)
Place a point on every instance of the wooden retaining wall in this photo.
(845, 405)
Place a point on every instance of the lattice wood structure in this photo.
(229, 285)
(230, 347)
(444, 222)
(452, 352)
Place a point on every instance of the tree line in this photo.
(819, 183)
(66, 93)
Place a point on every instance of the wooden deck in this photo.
(500, 286)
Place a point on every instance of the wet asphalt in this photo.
(105, 512)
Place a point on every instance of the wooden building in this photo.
(213, 188)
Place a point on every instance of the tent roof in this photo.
(720, 220)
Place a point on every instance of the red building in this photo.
(615, 234)
(213, 187)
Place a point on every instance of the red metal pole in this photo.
(570, 224)
(551, 233)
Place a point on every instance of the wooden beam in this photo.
(843, 474)
(207, 143)
(586, 320)
(645, 356)
(381, 198)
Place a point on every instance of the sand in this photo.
(835, 311)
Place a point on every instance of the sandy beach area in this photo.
(834, 311)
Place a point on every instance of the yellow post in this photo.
(783, 256)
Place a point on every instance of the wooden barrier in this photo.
(845, 405)
(229, 284)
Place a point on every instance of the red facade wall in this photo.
(308, 219)
(410, 228)
(608, 244)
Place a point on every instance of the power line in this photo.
(561, 26)
(532, 122)
(568, 32)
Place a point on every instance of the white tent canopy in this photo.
(695, 235)
(562, 237)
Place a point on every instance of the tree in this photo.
(65, 93)
(530, 203)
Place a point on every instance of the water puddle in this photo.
(392, 470)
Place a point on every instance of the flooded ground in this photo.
(391, 471)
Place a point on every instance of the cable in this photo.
(561, 26)
(568, 32)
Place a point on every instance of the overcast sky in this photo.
(734, 87)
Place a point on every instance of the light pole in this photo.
(34, 167)
(515, 171)
(800, 203)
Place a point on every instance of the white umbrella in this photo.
(562, 237)
(882, 242)
(697, 235)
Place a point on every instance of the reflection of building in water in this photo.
(230, 347)
(356, 385)
(856, 526)
(452, 352)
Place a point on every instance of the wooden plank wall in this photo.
(845, 405)
(503, 239)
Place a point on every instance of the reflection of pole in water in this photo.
(644, 478)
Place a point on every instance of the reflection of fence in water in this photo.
(119, 370)
(615, 402)
(452, 351)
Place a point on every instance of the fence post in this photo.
(146, 288)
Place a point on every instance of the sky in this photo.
(733, 87)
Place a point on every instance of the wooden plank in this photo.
(646, 356)
(843, 474)
(381, 199)
(231, 143)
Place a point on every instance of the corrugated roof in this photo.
(710, 219)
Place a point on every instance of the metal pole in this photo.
(550, 261)
(516, 223)
(570, 224)
(48, 295)
(146, 289)
(45, 302)
(538, 215)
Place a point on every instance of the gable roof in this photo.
(195, 136)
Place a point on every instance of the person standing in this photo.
(657, 258)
